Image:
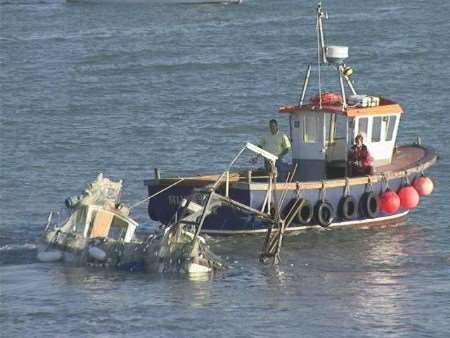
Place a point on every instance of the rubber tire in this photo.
(369, 205)
(347, 208)
(324, 213)
(306, 213)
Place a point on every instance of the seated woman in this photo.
(360, 161)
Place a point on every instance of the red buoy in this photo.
(424, 185)
(409, 197)
(389, 201)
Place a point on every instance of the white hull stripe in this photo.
(306, 227)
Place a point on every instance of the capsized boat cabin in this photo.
(96, 231)
(317, 190)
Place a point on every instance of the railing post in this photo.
(157, 174)
(227, 183)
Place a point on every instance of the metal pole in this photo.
(236, 157)
(320, 15)
(346, 147)
(350, 85)
(157, 174)
(341, 83)
(305, 85)
(204, 214)
(227, 183)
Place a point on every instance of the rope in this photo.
(406, 177)
(369, 184)
(322, 192)
(386, 182)
(156, 194)
(347, 187)
(299, 192)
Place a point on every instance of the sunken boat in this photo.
(317, 189)
(94, 229)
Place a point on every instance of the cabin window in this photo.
(376, 129)
(79, 218)
(390, 127)
(363, 124)
(340, 129)
(312, 131)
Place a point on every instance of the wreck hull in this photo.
(74, 250)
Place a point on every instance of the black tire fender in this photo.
(347, 207)
(369, 205)
(305, 213)
(324, 213)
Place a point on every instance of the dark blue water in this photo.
(121, 87)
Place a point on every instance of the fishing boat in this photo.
(318, 189)
(95, 229)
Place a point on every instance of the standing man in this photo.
(276, 143)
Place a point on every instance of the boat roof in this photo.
(386, 107)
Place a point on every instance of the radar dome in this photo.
(336, 54)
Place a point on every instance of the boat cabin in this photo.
(322, 136)
(94, 221)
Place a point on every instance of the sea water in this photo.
(122, 87)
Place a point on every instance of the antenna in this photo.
(321, 13)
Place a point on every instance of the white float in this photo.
(50, 256)
(97, 253)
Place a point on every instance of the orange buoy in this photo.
(389, 202)
(424, 185)
(409, 197)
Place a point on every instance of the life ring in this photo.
(324, 213)
(369, 205)
(347, 207)
(327, 99)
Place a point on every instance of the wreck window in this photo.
(79, 218)
(118, 228)
(376, 129)
(312, 131)
(390, 127)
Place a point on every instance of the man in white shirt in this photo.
(276, 143)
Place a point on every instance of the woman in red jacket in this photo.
(359, 158)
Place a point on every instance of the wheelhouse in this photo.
(322, 137)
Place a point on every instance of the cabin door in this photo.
(308, 145)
